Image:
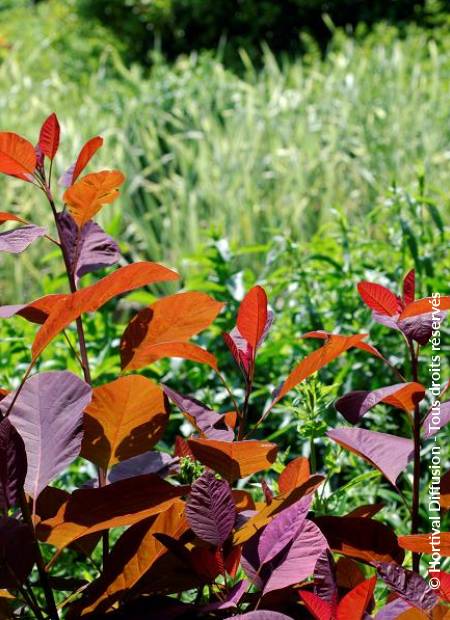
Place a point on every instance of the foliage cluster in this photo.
(220, 519)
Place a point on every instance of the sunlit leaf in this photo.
(49, 136)
(88, 195)
(17, 156)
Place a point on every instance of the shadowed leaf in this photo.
(158, 463)
(236, 459)
(125, 418)
(409, 287)
(13, 465)
(36, 311)
(115, 505)
(15, 536)
(360, 538)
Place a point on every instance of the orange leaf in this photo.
(133, 555)
(118, 504)
(93, 297)
(252, 316)
(85, 156)
(234, 459)
(125, 418)
(334, 346)
(17, 156)
(243, 500)
(88, 195)
(36, 311)
(425, 305)
(355, 603)
(423, 543)
(379, 298)
(49, 136)
(9, 217)
(268, 511)
(163, 329)
(294, 474)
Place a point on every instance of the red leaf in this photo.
(321, 610)
(409, 287)
(17, 156)
(252, 316)
(355, 603)
(85, 156)
(378, 298)
(49, 136)
(295, 473)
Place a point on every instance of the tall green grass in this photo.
(275, 149)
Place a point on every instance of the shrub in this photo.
(193, 526)
(180, 26)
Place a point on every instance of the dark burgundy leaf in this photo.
(17, 240)
(210, 509)
(48, 414)
(420, 327)
(158, 463)
(408, 585)
(13, 465)
(300, 559)
(240, 349)
(283, 529)
(16, 552)
(433, 422)
(325, 585)
(91, 248)
(211, 424)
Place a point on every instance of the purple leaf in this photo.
(260, 615)
(240, 349)
(150, 462)
(65, 179)
(48, 414)
(211, 424)
(282, 530)
(409, 585)
(13, 465)
(210, 509)
(233, 598)
(420, 327)
(354, 405)
(16, 552)
(325, 586)
(434, 422)
(300, 559)
(392, 611)
(91, 248)
(387, 321)
(17, 240)
(387, 453)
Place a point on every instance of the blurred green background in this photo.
(301, 144)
